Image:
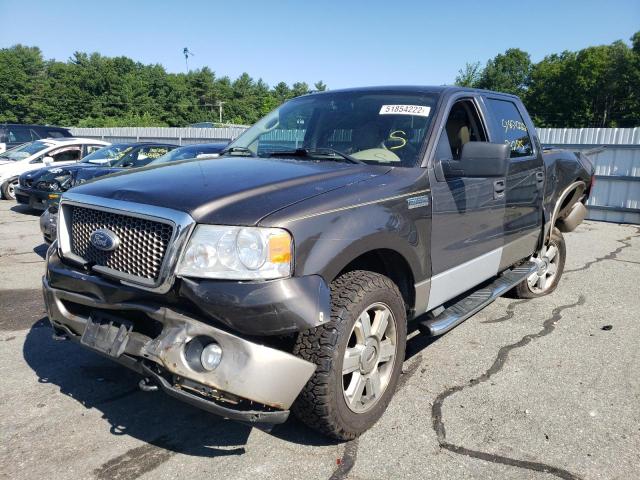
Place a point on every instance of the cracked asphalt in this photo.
(544, 388)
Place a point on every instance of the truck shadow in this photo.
(26, 209)
(97, 383)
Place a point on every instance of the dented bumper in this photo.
(253, 382)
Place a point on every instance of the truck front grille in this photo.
(142, 244)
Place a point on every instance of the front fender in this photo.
(388, 212)
(333, 241)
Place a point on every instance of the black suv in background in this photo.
(48, 183)
(13, 134)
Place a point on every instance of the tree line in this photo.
(594, 87)
(91, 90)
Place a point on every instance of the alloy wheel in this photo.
(547, 260)
(369, 358)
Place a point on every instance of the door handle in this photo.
(498, 189)
(540, 177)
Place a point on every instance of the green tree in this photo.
(320, 86)
(508, 72)
(469, 75)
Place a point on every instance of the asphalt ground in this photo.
(523, 390)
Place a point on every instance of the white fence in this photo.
(180, 136)
(615, 152)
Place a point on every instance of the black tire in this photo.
(524, 289)
(322, 404)
(6, 189)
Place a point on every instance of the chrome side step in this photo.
(457, 313)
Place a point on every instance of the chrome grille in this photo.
(142, 247)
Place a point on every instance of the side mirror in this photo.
(484, 159)
(47, 160)
(3, 147)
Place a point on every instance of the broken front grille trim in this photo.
(182, 224)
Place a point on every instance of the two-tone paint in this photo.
(435, 237)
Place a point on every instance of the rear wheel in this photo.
(8, 189)
(358, 353)
(550, 260)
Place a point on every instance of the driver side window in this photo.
(69, 154)
(463, 126)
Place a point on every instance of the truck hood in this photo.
(229, 190)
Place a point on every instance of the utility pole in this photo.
(219, 105)
(186, 53)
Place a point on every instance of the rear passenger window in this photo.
(71, 154)
(54, 134)
(19, 134)
(510, 128)
(89, 149)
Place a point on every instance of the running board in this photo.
(458, 312)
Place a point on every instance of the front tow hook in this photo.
(146, 385)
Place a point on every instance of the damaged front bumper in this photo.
(252, 382)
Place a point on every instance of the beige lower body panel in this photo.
(249, 370)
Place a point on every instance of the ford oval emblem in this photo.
(104, 239)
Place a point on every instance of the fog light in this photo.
(211, 356)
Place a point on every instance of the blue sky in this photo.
(344, 43)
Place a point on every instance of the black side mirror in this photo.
(484, 159)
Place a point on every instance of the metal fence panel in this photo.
(615, 153)
(589, 136)
(180, 136)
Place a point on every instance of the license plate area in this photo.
(106, 334)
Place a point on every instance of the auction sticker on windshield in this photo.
(419, 110)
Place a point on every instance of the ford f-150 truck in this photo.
(282, 276)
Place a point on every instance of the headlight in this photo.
(237, 253)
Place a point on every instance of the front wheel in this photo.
(8, 189)
(358, 354)
(550, 260)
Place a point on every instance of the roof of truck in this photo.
(439, 89)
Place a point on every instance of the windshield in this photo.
(108, 155)
(384, 128)
(24, 151)
(183, 153)
(141, 156)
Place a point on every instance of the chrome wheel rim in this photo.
(547, 260)
(369, 358)
(11, 190)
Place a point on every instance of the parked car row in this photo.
(41, 153)
(72, 161)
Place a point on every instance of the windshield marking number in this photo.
(418, 110)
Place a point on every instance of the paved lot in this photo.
(525, 389)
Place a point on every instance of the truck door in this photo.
(525, 178)
(468, 210)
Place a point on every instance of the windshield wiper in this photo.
(237, 150)
(306, 152)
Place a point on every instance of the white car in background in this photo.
(41, 153)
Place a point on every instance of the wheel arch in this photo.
(7, 182)
(569, 196)
(390, 263)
